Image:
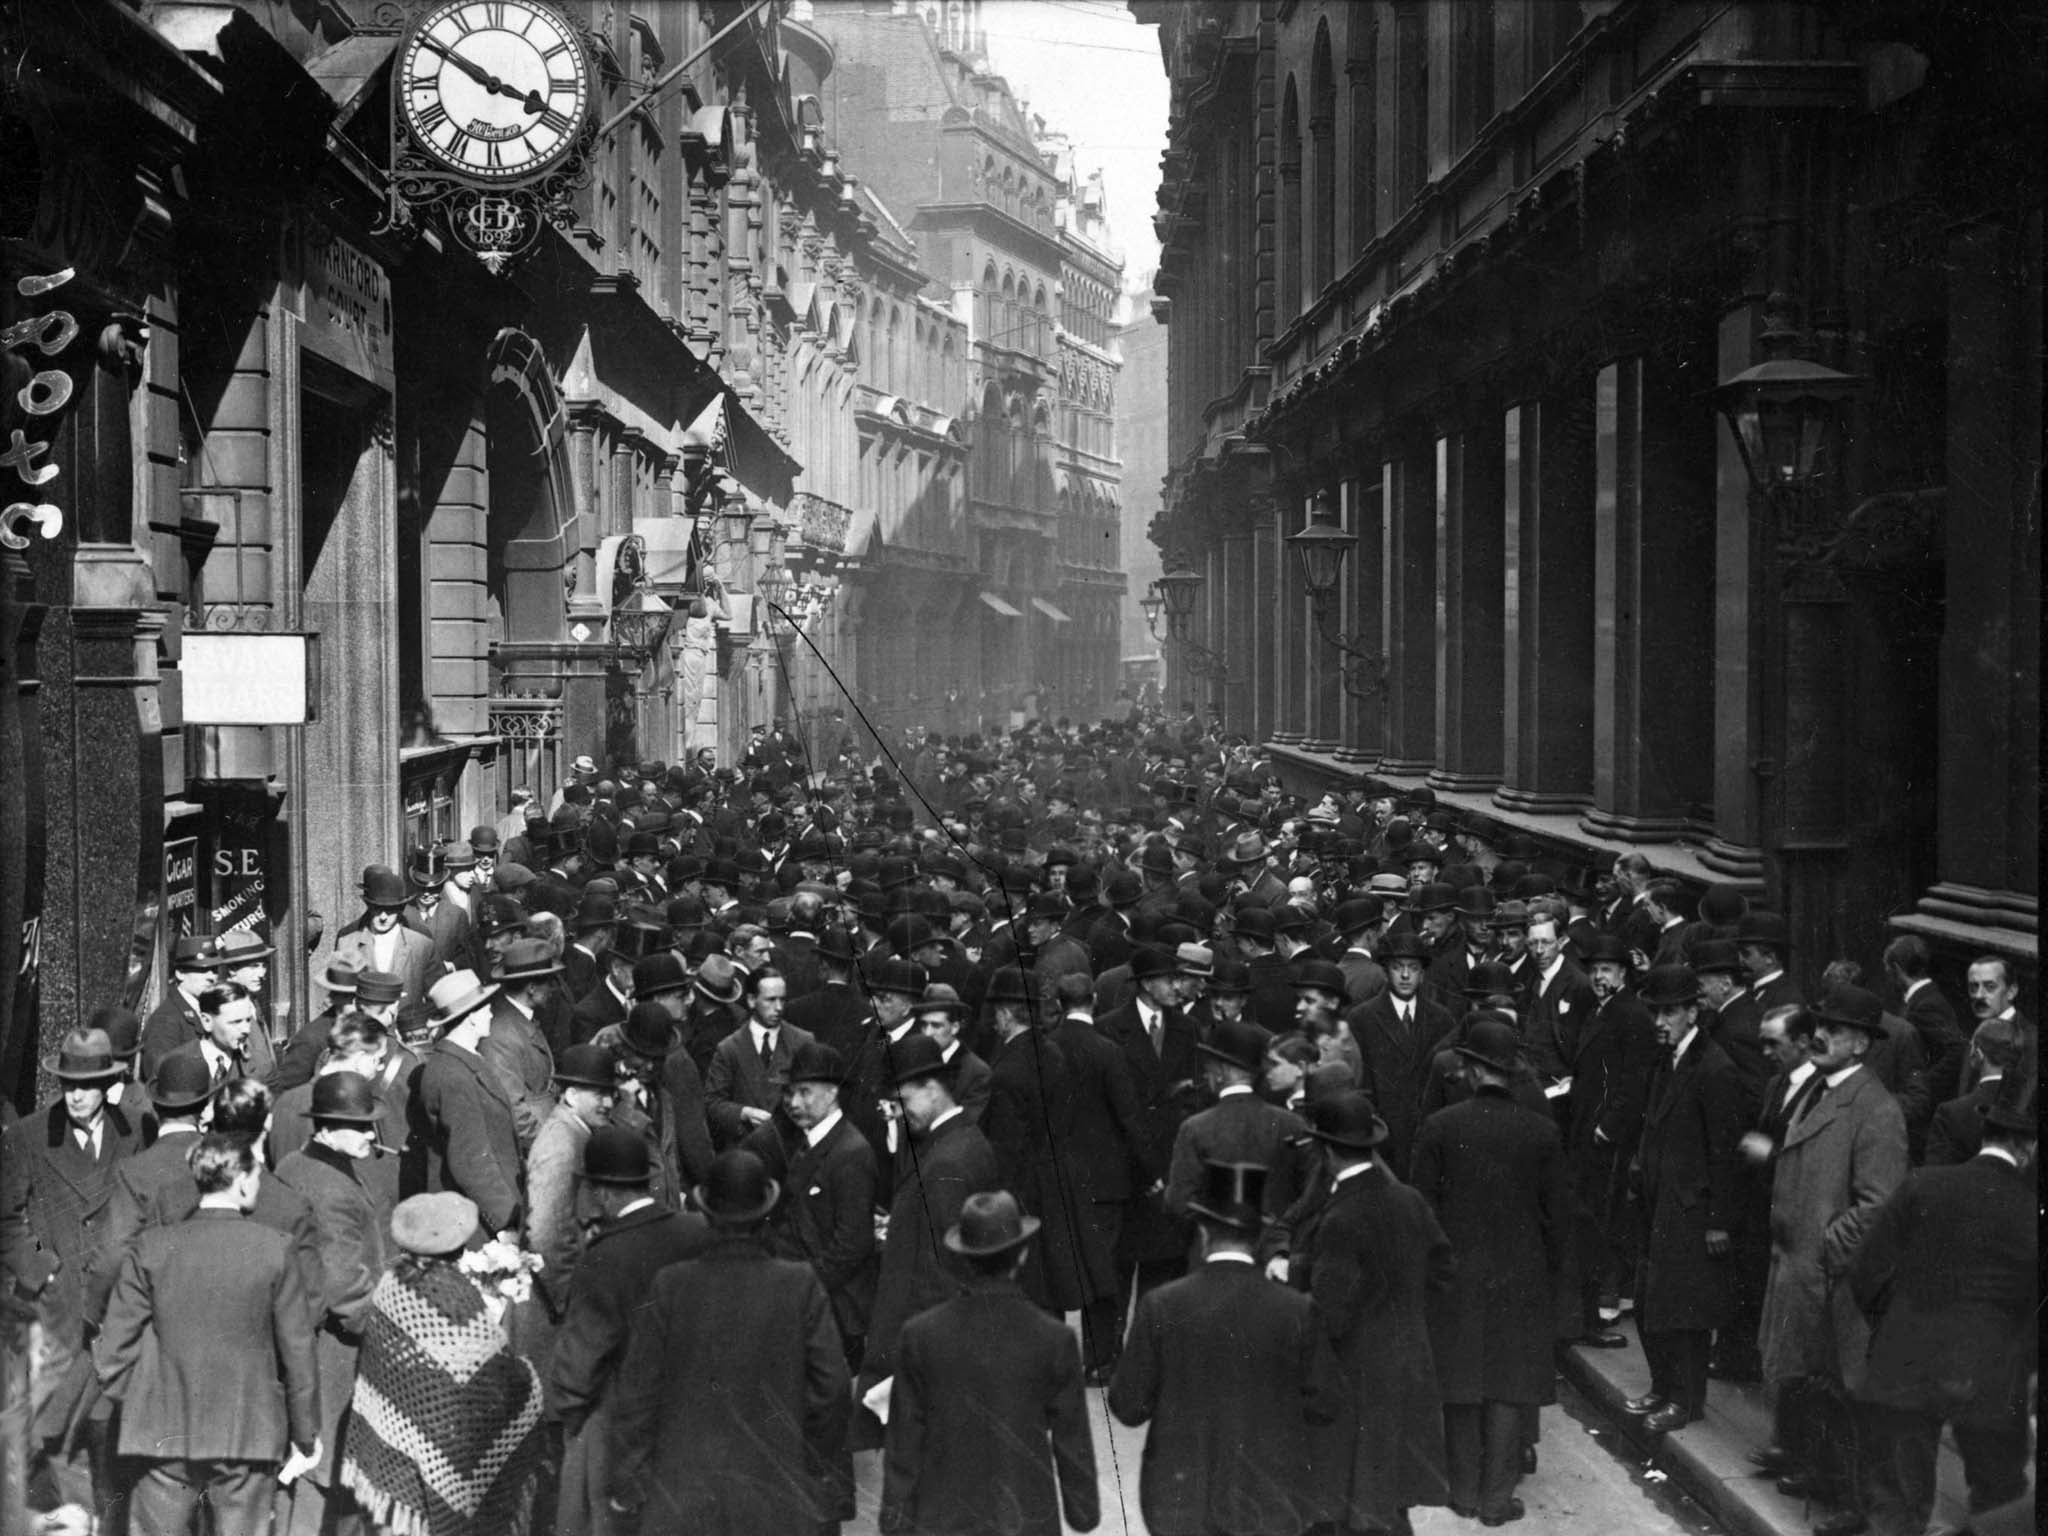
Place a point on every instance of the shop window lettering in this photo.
(47, 392)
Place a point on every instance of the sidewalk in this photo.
(1710, 1459)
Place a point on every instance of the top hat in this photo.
(918, 1057)
(343, 1098)
(1237, 1041)
(1764, 929)
(617, 1155)
(196, 952)
(1007, 985)
(991, 1222)
(84, 1056)
(375, 988)
(1669, 986)
(1232, 1195)
(241, 946)
(183, 1081)
(587, 1066)
(383, 886)
(1432, 896)
(1489, 978)
(1852, 1006)
(938, 997)
(736, 1191)
(816, 1062)
(650, 1031)
(1406, 945)
(526, 960)
(1347, 1120)
(1319, 976)
(456, 996)
(1711, 956)
(426, 867)
(1358, 913)
(433, 1225)
(905, 977)
(2013, 1105)
(1492, 1042)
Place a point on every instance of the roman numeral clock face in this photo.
(495, 90)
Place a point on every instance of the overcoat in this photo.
(415, 956)
(1106, 1138)
(1238, 1128)
(988, 1423)
(952, 1162)
(1839, 1162)
(554, 1227)
(1396, 1060)
(1949, 1270)
(350, 1223)
(518, 1052)
(1493, 1172)
(466, 1121)
(1691, 1185)
(1070, 1265)
(1230, 1370)
(732, 1397)
(609, 1291)
(1166, 1081)
(1370, 1256)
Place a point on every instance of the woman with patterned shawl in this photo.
(444, 1437)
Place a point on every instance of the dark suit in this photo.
(1558, 1013)
(1109, 1151)
(610, 1289)
(731, 1397)
(466, 1122)
(1949, 1271)
(1229, 1369)
(1602, 1120)
(833, 1014)
(1957, 1132)
(1070, 1267)
(1167, 1080)
(1942, 1042)
(208, 1345)
(1364, 977)
(982, 1383)
(952, 1161)
(1396, 1058)
(170, 1024)
(1691, 1185)
(827, 1219)
(1896, 1060)
(596, 1008)
(1239, 1128)
(739, 1079)
(1737, 1027)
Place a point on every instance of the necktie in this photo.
(767, 1045)
(1810, 1097)
(1154, 1027)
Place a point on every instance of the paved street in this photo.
(1580, 1486)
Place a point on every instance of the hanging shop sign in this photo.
(42, 399)
(491, 124)
(236, 678)
(181, 887)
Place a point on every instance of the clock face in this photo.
(496, 90)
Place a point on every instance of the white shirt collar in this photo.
(628, 1210)
(1351, 1173)
(1768, 977)
(950, 1052)
(519, 1003)
(1678, 1051)
(942, 1119)
(1842, 1074)
(2001, 1154)
(822, 1129)
(1230, 1256)
(216, 1059)
(1797, 1077)
(1915, 986)
(902, 1031)
(1233, 1090)
(760, 1033)
(1554, 967)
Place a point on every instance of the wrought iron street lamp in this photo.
(1179, 587)
(1153, 606)
(1786, 414)
(1323, 547)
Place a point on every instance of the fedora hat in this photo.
(1244, 849)
(659, 972)
(616, 1155)
(456, 996)
(374, 988)
(1489, 978)
(1406, 945)
(718, 979)
(83, 1056)
(240, 946)
(1669, 986)
(918, 1057)
(1492, 1042)
(432, 1225)
(342, 1097)
(1232, 1195)
(1318, 976)
(1387, 883)
(340, 978)
(938, 997)
(1233, 978)
(1148, 961)
(990, 1223)
(183, 1081)
(2014, 1105)
(1238, 1042)
(736, 1191)
(383, 886)
(650, 1032)
(498, 912)
(195, 952)
(1853, 1007)
(123, 1027)
(587, 1066)
(1347, 1119)
(527, 960)
(460, 855)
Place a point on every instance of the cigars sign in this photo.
(43, 400)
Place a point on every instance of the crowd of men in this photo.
(825, 1090)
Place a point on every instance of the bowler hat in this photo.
(1256, 923)
(595, 911)
(1476, 903)
(1123, 889)
(1237, 1041)
(817, 1062)
(1292, 917)
(1852, 1006)
(1419, 852)
(341, 1097)
(83, 1056)
(1232, 978)
(1407, 944)
(905, 977)
(1157, 859)
(1606, 949)
(1148, 961)
(375, 988)
(938, 997)
(1489, 978)
(836, 944)
(650, 1031)
(196, 952)
(1232, 1195)
(918, 1057)
(1764, 929)
(1432, 896)
(1492, 1042)
(496, 913)
(587, 1066)
(1357, 913)
(1007, 985)
(909, 932)
(1508, 916)
(456, 996)
(718, 979)
(657, 973)
(1714, 956)
(483, 841)
(527, 960)
(1318, 976)
(990, 1223)
(241, 946)
(183, 1081)
(433, 1225)
(1347, 1120)
(617, 1155)
(1723, 905)
(1669, 986)
(736, 1191)
(1048, 906)
(383, 886)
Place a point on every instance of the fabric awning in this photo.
(1051, 611)
(1001, 607)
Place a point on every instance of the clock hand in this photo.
(476, 72)
(533, 103)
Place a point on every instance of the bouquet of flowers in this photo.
(503, 1271)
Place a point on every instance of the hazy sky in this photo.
(1092, 72)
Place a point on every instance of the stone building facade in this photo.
(1473, 272)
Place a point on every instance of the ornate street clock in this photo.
(490, 121)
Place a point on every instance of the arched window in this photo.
(1322, 151)
(1288, 229)
(1411, 103)
(1041, 331)
(1362, 68)
(990, 314)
